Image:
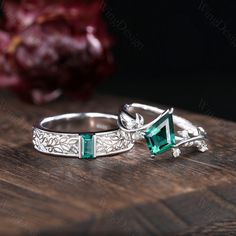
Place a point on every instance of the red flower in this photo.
(50, 48)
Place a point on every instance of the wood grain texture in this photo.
(128, 194)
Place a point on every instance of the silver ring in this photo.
(159, 132)
(66, 135)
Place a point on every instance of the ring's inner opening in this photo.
(147, 115)
(81, 124)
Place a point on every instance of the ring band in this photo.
(159, 132)
(53, 135)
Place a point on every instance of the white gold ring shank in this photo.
(82, 135)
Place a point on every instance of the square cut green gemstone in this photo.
(87, 151)
(160, 136)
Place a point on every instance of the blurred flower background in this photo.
(53, 48)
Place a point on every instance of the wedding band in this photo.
(159, 132)
(82, 135)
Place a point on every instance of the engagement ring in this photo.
(159, 131)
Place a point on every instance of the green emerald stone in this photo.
(160, 136)
(87, 151)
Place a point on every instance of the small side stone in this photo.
(176, 152)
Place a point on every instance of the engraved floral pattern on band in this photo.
(69, 144)
(56, 143)
(113, 142)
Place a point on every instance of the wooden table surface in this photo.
(128, 194)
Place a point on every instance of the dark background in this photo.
(178, 53)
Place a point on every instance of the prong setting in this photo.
(188, 136)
